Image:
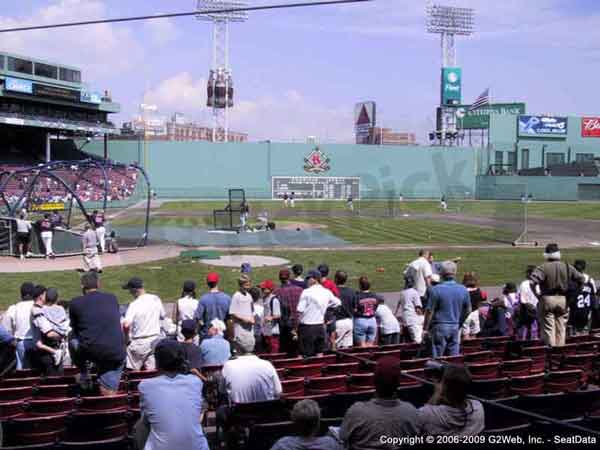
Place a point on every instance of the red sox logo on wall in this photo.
(316, 162)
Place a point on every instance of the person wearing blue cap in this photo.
(313, 304)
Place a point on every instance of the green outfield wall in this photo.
(206, 170)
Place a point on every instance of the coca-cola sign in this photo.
(590, 127)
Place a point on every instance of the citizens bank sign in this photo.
(590, 127)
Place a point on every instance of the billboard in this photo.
(18, 85)
(542, 126)
(91, 97)
(364, 120)
(451, 86)
(480, 118)
(44, 90)
(590, 127)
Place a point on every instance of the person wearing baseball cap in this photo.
(272, 316)
(552, 280)
(212, 305)
(143, 323)
(447, 309)
(241, 310)
(288, 295)
(215, 349)
(313, 304)
(185, 307)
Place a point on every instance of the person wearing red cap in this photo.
(288, 296)
(212, 305)
(272, 316)
(365, 423)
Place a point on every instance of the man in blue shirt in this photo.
(448, 307)
(170, 404)
(215, 350)
(212, 305)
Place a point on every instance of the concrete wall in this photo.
(205, 170)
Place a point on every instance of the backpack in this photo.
(246, 268)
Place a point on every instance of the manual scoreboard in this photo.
(316, 188)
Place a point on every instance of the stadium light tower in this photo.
(449, 22)
(220, 80)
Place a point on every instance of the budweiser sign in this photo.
(590, 127)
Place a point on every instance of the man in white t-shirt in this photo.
(246, 379)
(410, 310)
(143, 323)
(186, 308)
(420, 271)
(241, 310)
(23, 236)
(313, 304)
(17, 321)
(389, 327)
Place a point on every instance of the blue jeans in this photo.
(444, 340)
(22, 356)
(365, 330)
(109, 372)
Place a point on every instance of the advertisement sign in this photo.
(480, 118)
(48, 207)
(18, 85)
(451, 86)
(91, 97)
(364, 120)
(542, 126)
(43, 90)
(590, 127)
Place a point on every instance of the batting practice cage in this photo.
(68, 192)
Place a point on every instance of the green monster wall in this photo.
(206, 170)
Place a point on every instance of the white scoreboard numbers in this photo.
(316, 188)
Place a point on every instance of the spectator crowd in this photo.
(300, 315)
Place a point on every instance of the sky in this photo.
(299, 72)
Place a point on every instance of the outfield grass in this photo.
(555, 210)
(366, 231)
(166, 277)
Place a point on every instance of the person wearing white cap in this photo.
(551, 281)
(215, 350)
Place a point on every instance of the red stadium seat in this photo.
(19, 382)
(26, 373)
(71, 370)
(248, 414)
(411, 364)
(580, 361)
(393, 353)
(588, 347)
(323, 360)
(418, 394)
(17, 393)
(478, 357)
(543, 404)
(52, 391)
(325, 385)
(459, 360)
(52, 407)
(281, 373)
(538, 357)
(340, 369)
(308, 370)
(62, 379)
(527, 385)
(293, 387)
(273, 356)
(337, 404)
(35, 430)
(94, 426)
(558, 353)
(103, 403)
(563, 381)
(482, 371)
(9, 410)
(516, 368)
(492, 388)
(120, 443)
(361, 382)
(281, 363)
(407, 380)
(471, 346)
